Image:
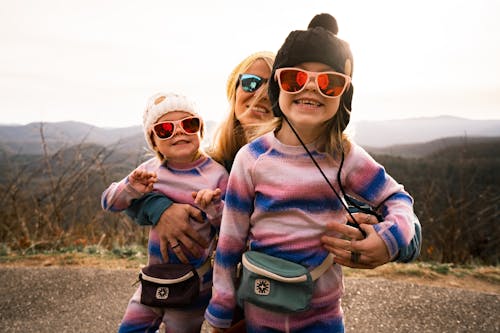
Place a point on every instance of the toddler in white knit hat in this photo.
(185, 174)
(157, 108)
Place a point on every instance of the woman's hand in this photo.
(352, 249)
(174, 229)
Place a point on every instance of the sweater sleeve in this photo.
(232, 240)
(148, 209)
(367, 180)
(412, 251)
(143, 208)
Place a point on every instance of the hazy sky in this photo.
(98, 61)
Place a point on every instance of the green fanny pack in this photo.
(277, 284)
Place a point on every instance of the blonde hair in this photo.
(231, 136)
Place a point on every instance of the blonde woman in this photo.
(249, 106)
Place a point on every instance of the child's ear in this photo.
(348, 67)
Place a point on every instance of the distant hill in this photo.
(407, 138)
(418, 130)
(417, 150)
(26, 139)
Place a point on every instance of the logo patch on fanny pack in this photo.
(262, 287)
(162, 293)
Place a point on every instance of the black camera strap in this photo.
(356, 224)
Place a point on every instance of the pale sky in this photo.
(97, 61)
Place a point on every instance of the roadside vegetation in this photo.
(51, 208)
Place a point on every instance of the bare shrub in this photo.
(456, 196)
(53, 201)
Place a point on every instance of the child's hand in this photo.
(142, 180)
(205, 197)
(207, 328)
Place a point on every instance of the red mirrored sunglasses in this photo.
(165, 129)
(330, 84)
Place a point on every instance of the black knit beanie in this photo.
(318, 43)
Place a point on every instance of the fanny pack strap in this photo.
(203, 269)
(209, 263)
(321, 269)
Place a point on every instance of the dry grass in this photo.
(76, 259)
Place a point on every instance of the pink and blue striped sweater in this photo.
(278, 203)
(177, 181)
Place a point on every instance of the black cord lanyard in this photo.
(364, 210)
(350, 200)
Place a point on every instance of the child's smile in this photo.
(308, 102)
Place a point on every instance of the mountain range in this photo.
(418, 130)
(392, 136)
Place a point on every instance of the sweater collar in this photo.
(185, 165)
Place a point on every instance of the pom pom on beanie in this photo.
(325, 21)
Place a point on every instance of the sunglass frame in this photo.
(176, 123)
(261, 81)
(347, 80)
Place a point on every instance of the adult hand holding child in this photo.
(354, 250)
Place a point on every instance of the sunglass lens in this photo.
(250, 83)
(293, 80)
(164, 130)
(331, 84)
(191, 125)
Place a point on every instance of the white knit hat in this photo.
(160, 104)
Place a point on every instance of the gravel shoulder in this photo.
(92, 299)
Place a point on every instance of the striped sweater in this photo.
(278, 203)
(177, 181)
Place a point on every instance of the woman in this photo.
(249, 106)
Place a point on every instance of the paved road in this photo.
(92, 300)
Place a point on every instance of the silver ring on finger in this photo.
(173, 246)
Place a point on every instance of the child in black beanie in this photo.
(279, 205)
